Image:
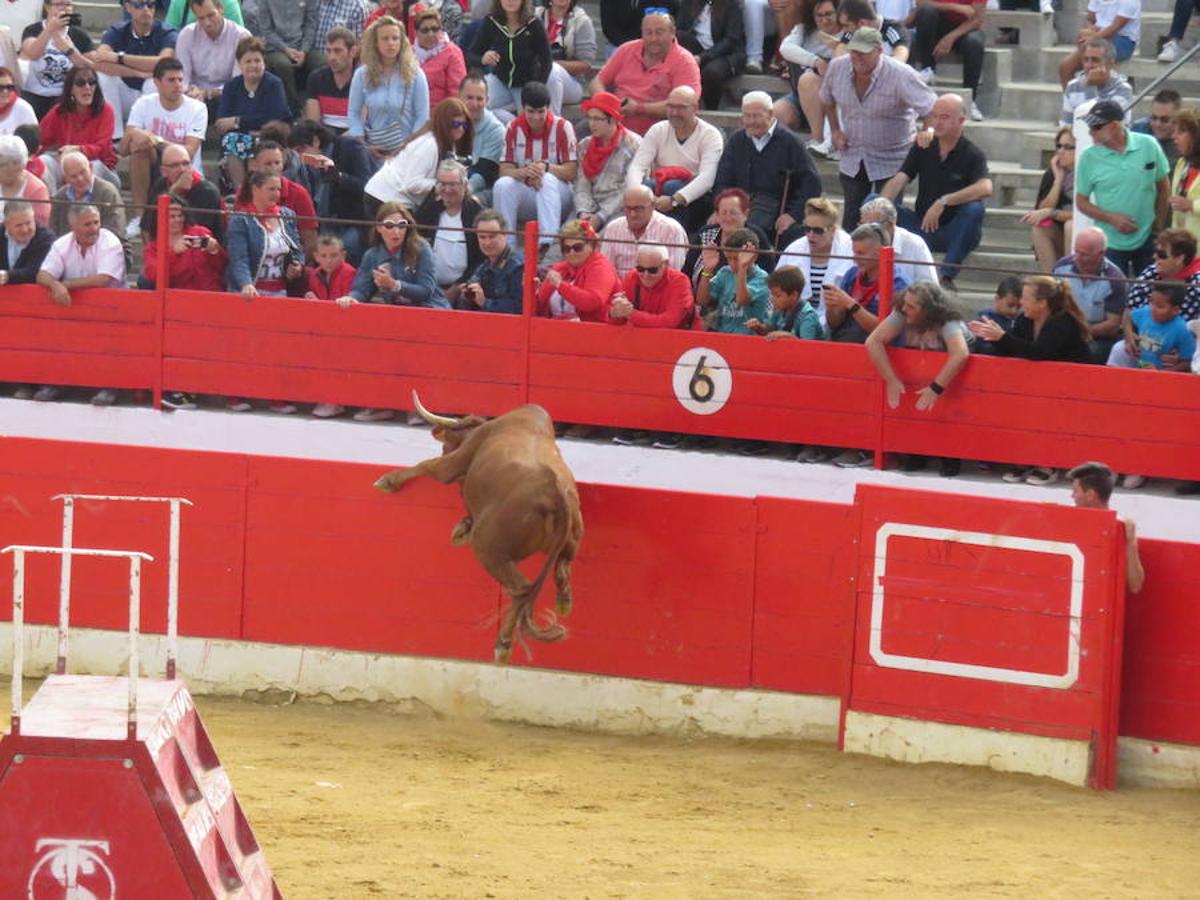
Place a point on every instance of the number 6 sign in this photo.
(702, 381)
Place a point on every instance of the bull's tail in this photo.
(552, 630)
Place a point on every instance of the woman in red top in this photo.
(83, 121)
(581, 285)
(194, 258)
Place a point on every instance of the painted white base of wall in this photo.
(446, 687)
(915, 741)
(588, 702)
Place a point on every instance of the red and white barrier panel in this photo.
(730, 592)
(1000, 621)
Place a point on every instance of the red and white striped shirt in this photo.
(555, 145)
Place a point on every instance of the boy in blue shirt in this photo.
(738, 291)
(791, 317)
(1156, 337)
(1006, 306)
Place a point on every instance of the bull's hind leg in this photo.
(446, 469)
(517, 587)
(562, 583)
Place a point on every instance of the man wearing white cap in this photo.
(872, 103)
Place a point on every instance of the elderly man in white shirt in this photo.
(683, 141)
(641, 224)
(88, 257)
(914, 262)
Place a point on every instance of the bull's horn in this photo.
(429, 417)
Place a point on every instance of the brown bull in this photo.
(520, 498)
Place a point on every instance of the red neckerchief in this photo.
(522, 123)
(1192, 268)
(1188, 178)
(597, 154)
(862, 292)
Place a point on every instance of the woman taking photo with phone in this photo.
(51, 47)
(195, 259)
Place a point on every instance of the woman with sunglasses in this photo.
(440, 58)
(1055, 211)
(579, 287)
(822, 255)
(410, 175)
(81, 121)
(398, 270)
(15, 111)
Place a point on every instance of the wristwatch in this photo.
(854, 309)
(678, 200)
(121, 58)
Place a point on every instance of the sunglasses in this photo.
(574, 248)
(429, 29)
(814, 229)
(1161, 254)
(458, 123)
(647, 270)
(141, 4)
(1064, 146)
(389, 225)
(85, 82)
(4, 88)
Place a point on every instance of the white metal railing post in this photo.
(64, 584)
(135, 615)
(18, 626)
(173, 589)
(176, 505)
(135, 558)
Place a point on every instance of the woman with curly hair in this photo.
(83, 121)
(513, 48)
(409, 176)
(389, 95)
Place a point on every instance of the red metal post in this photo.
(528, 299)
(887, 269)
(162, 213)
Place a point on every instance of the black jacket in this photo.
(763, 174)
(621, 20)
(430, 211)
(204, 196)
(30, 261)
(524, 56)
(728, 32)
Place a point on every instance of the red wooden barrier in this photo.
(685, 587)
(105, 338)
(989, 613)
(1008, 411)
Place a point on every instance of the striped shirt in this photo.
(879, 127)
(555, 145)
(620, 245)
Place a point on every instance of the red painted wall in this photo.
(733, 592)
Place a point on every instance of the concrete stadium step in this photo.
(97, 16)
(1034, 30)
(1020, 142)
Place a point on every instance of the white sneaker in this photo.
(823, 148)
(328, 410)
(926, 75)
(1170, 52)
(852, 459)
(134, 229)
(1046, 7)
(976, 115)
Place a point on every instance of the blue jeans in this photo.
(956, 238)
(1132, 262)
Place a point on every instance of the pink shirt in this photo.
(34, 190)
(626, 75)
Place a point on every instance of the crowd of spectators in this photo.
(448, 127)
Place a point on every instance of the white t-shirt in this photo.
(895, 10)
(449, 250)
(1107, 10)
(275, 251)
(107, 256)
(20, 113)
(189, 119)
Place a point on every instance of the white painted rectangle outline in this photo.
(968, 670)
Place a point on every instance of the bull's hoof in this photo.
(462, 532)
(562, 605)
(387, 484)
(503, 652)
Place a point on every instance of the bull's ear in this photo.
(439, 433)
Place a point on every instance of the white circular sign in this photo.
(702, 381)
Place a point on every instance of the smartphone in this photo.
(74, 20)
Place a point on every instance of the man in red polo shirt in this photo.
(643, 72)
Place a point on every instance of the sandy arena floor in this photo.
(356, 801)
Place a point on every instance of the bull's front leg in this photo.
(446, 469)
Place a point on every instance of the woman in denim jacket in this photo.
(264, 249)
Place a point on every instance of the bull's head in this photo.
(451, 432)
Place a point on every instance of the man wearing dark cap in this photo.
(1122, 182)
